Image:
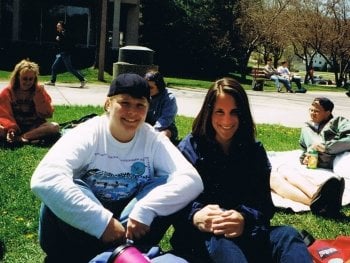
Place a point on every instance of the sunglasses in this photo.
(27, 79)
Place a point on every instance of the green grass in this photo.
(91, 74)
(19, 207)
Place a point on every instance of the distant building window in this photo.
(39, 24)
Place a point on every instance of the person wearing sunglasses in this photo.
(321, 188)
(25, 106)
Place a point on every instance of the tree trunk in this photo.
(102, 48)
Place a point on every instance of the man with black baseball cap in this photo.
(131, 84)
(110, 179)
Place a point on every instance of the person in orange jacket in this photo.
(25, 106)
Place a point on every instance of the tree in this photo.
(336, 49)
(196, 35)
(102, 44)
(211, 38)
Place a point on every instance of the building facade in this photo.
(32, 24)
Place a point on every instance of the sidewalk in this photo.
(288, 109)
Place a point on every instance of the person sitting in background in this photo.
(25, 106)
(330, 137)
(286, 74)
(163, 108)
(230, 220)
(119, 181)
(310, 75)
(272, 73)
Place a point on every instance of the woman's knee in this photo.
(224, 250)
(341, 165)
(284, 234)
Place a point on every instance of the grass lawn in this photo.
(19, 207)
(91, 75)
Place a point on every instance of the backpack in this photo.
(328, 250)
(66, 126)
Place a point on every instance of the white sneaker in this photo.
(83, 84)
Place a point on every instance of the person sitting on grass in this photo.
(25, 106)
(163, 108)
(230, 220)
(329, 136)
(111, 179)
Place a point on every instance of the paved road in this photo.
(267, 107)
(271, 107)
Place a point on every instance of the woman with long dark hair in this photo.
(230, 220)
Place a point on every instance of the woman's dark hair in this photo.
(325, 103)
(157, 78)
(202, 126)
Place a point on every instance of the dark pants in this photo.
(66, 59)
(63, 243)
(282, 244)
(297, 81)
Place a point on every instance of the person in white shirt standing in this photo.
(110, 179)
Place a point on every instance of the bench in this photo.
(259, 78)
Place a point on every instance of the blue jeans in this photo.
(66, 59)
(64, 243)
(285, 245)
(284, 81)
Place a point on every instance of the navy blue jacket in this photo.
(162, 112)
(64, 42)
(239, 181)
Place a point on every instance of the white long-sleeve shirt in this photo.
(284, 72)
(114, 171)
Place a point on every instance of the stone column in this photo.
(136, 59)
(116, 23)
(132, 25)
(16, 20)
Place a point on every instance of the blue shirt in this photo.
(162, 112)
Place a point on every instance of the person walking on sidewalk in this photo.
(65, 46)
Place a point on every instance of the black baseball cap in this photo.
(130, 83)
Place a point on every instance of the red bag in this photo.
(331, 250)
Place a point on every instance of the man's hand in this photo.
(114, 232)
(135, 230)
(320, 147)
